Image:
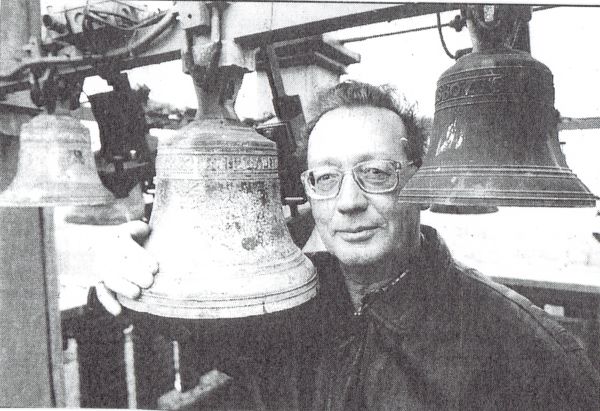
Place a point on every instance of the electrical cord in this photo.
(95, 16)
(100, 12)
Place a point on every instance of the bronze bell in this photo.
(218, 230)
(120, 211)
(55, 166)
(495, 137)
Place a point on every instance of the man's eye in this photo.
(374, 173)
(373, 170)
(325, 178)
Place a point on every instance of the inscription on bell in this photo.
(496, 85)
(470, 87)
(197, 166)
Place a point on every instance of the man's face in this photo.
(357, 227)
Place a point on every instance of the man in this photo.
(398, 324)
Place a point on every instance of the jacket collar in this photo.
(405, 305)
(400, 308)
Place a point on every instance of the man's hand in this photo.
(133, 270)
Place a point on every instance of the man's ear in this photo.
(404, 148)
(408, 168)
(404, 145)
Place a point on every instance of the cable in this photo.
(542, 8)
(43, 62)
(373, 36)
(439, 27)
(93, 15)
(111, 13)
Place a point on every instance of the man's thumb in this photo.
(138, 230)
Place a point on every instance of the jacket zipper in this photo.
(373, 295)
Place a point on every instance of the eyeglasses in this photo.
(372, 176)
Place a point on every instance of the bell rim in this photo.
(228, 308)
(442, 185)
(52, 201)
(500, 202)
(500, 198)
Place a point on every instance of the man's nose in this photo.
(351, 198)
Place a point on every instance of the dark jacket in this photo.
(444, 337)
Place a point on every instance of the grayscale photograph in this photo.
(320, 205)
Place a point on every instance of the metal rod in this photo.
(393, 33)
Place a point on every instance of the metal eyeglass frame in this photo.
(312, 194)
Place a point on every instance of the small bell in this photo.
(55, 166)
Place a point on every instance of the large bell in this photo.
(495, 137)
(218, 230)
(55, 166)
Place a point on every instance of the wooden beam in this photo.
(30, 332)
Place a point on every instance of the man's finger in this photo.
(138, 230)
(122, 286)
(108, 299)
(143, 276)
(138, 264)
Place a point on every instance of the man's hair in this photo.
(357, 94)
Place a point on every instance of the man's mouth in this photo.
(357, 234)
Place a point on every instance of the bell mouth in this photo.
(251, 328)
(253, 293)
(497, 186)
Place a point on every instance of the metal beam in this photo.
(166, 47)
(252, 24)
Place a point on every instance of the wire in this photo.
(373, 36)
(542, 8)
(135, 25)
(44, 62)
(111, 13)
(86, 28)
(93, 15)
(515, 34)
(439, 27)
